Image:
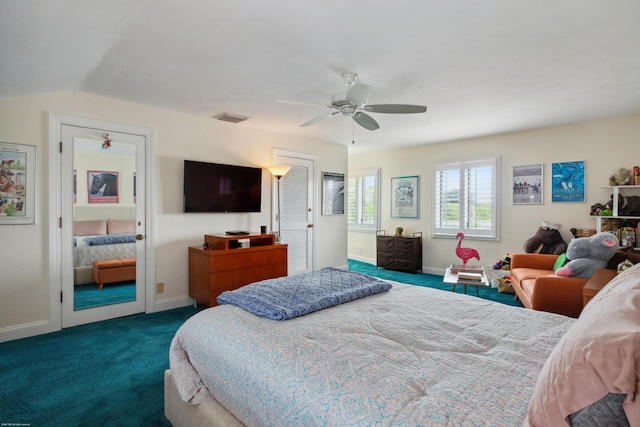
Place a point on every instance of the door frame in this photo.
(56, 121)
(288, 157)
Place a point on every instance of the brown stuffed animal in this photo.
(547, 240)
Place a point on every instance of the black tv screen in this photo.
(214, 187)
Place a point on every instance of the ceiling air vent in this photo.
(231, 118)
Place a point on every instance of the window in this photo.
(465, 199)
(363, 201)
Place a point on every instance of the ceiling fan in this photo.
(355, 105)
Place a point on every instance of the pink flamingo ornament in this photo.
(465, 254)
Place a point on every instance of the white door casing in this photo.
(297, 208)
(64, 130)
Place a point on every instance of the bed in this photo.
(96, 240)
(408, 356)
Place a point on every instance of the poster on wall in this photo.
(102, 187)
(567, 182)
(17, 183)
(332, 193)
(404, 197)
(527, 185)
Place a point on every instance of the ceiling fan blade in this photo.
(366, 121)
(359, 93)
(395, 108)
(320, 119)
(307, 104)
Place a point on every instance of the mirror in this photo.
(104, 214)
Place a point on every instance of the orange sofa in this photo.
(538, 288)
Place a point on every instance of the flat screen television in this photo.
(214, 187)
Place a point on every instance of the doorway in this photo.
(297, 208)
(103, 213)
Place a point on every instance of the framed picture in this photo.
(332, 193)
(404, 197)
(102, 187)
(17, 183)
(527, 185)
(567, 182)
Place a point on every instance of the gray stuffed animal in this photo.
(587, 254)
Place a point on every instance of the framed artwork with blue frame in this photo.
(567, 182)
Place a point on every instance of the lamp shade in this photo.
(279, 170)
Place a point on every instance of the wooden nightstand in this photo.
(599, 279)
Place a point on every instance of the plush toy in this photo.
(622, 176)
(587, 254)
(628, 205)
(547, 240)
(597, 209)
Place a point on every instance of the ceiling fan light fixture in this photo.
(348, 110)
(349, 78)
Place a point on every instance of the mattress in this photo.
(85, 255)
(410, 356)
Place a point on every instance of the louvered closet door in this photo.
(297, 212)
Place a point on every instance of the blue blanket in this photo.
(289, 297)
(110, 239)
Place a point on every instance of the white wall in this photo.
(24, 249)
(605, 146)
(85, 161)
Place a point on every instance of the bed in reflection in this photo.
(97, 240)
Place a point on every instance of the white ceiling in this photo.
(481, 66)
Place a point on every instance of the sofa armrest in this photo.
(562, 295)
(537, 261)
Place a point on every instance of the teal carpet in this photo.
(89, 296)
(103, 374)
(430, 281)
(111, 373)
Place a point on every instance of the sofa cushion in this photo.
(523, 273)
(598, 355)
(104, 264)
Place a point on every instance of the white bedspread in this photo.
(408, 357)
(85, 255)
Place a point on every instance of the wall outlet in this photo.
(159, 287)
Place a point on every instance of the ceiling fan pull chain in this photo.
(353, 132)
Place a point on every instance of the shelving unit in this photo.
(617, 222)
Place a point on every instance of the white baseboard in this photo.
(433, 270)
(362, 259)
(171, 303)
(25, 330)
(426, 270)
(32, 329)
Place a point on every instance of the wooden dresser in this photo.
(230, 262)
(402, 253)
